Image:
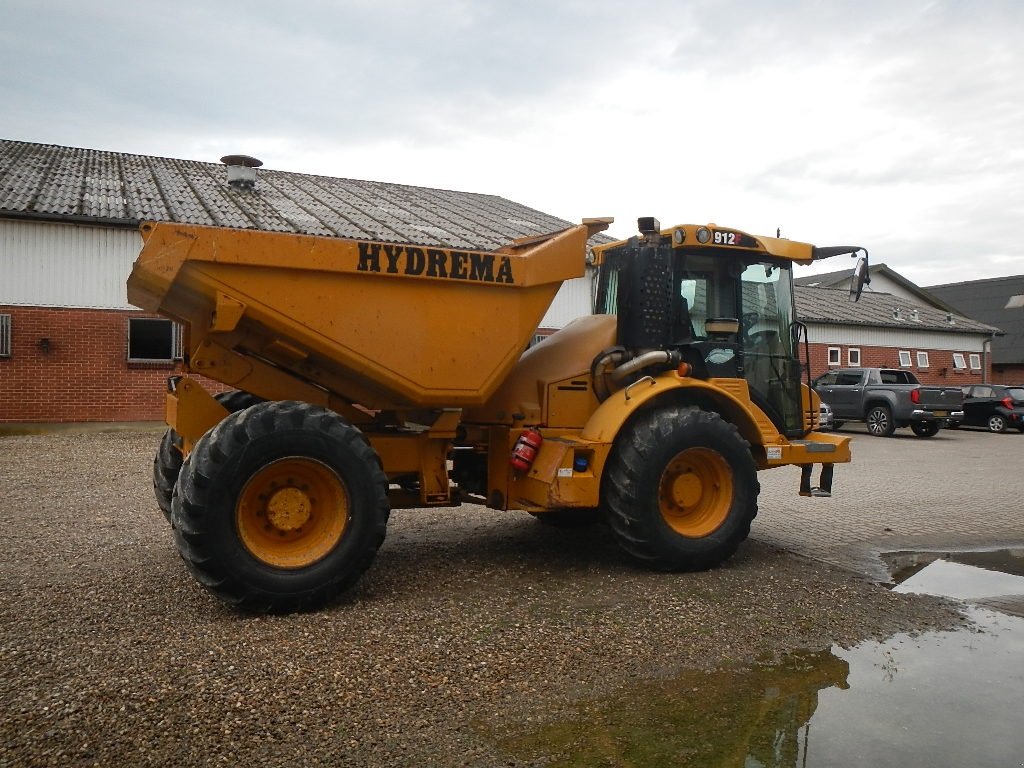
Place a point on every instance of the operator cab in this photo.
(716, 298)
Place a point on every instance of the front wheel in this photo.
(280, 507)
(879, 421)
(680, 489)
(996, 423)
(925, 428)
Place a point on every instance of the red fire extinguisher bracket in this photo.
(525, 450)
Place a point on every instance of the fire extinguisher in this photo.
(525, 450)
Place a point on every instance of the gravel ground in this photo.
(470, 624)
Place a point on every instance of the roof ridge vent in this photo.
(897, 313)
(914, 316)
(241, 170)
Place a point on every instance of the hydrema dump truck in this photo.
(369, 376)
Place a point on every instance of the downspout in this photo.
(986, 357)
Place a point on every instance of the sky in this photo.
(895, 125)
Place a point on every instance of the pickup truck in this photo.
(886, 398)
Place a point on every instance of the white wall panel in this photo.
(573, 300)
(908, 338)
(65, 265)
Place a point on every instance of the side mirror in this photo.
(859, 278)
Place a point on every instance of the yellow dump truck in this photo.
(369, 376)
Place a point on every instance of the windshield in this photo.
(766, 330)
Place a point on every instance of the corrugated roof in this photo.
(44, 181)
(833, 306)
(987, 300)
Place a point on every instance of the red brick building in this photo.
(896, 324)
(73, 349)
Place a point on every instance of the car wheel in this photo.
(925, 428)
(879, 421)
(996, 423)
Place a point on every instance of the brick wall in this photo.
(81, 373)
(85, 375)
(1008, 374)
(940, 370)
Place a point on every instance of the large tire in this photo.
(996, 423)
(925, 428)
(680, 489)
(280, 507)
(168, 459)
(879, 421)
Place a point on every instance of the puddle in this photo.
(937, 699)
(993, 579)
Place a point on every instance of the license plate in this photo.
(941, 413)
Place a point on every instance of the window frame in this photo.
(962, 364)
(176, 349)
(839, 356)
(922, 355)
(909, 359)
(6, 336)
(972, 358)
(849, 357)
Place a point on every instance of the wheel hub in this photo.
(687, 489)
(289, 509)
(292, 512)
(695, 493)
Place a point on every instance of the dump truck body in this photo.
(382, 375)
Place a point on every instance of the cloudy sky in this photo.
(897, 125)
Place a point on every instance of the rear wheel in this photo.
(996, 423)
(168, 459)
(280, 507)
(837, 424)
(680, 489)
(879, 421)
(925, 428)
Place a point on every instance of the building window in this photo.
(959, 363)
(904, 358)
(922, 359)
(5, 335)
(853, 356)
(835, 356)
(153, 339)
(975, 362)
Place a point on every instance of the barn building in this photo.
(73, 349)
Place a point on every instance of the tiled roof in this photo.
(841, 279)
(825, 279)
(833, 306)
(987, 300)
(43, 181)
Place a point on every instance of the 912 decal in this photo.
(721, 237)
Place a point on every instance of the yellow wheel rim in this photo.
(292, 513)
(695, 492)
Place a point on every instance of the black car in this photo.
(993, 406)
